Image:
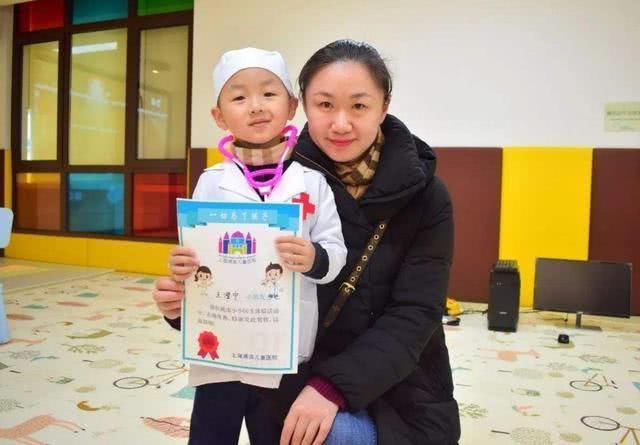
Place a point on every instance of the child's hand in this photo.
(168, 296)
(183, 262)
(296, 253)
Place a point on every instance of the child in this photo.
(203, 276)
(272, 274)
(254, 100)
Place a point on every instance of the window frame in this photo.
(134, 25)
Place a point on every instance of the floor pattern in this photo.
(91, 361)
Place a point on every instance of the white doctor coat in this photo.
(225, 182)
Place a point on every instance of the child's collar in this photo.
(249, 145)
(267, 155)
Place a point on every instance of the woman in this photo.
(380, 373)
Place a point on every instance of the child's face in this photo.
(273, 275)
(203, 276)
(254, 106)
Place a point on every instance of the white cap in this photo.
(239, 59)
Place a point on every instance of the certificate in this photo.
(241, 307)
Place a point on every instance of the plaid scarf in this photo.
(357, 175)
(257, 155)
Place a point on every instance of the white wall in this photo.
(467, 72)
(6, 37)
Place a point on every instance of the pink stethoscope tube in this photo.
(263, 187)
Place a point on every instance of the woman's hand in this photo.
(168, 295)
(297, 254)
(309, 420)
(183, 262)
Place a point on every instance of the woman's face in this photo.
(344, 108)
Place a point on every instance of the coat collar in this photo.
(291, 184)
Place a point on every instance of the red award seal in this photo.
(208, 343)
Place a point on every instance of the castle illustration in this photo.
(236, 244)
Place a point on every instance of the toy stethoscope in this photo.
(263, 187)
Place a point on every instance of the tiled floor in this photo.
(22, 274)
(92, 362)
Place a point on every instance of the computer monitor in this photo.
(583, 287)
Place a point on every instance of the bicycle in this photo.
(592, 386)
(177, 368)
(605, 424)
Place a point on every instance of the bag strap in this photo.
(348, 287)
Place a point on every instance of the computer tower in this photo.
(504, 296)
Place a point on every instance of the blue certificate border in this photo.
(286, 216)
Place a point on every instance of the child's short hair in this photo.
(239, 59)
(274, 266)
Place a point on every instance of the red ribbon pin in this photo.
(208, 343)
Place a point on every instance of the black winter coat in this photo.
(386, 352)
